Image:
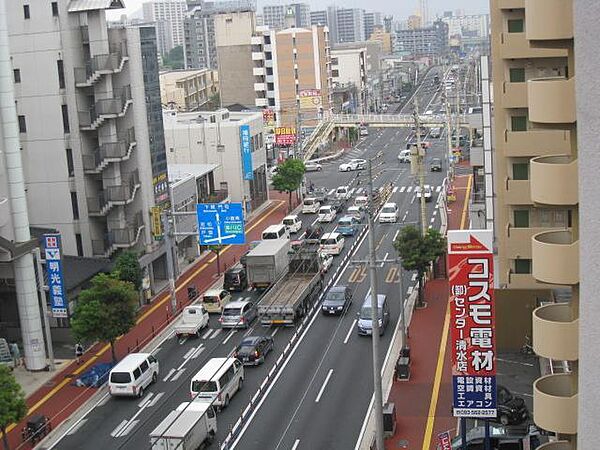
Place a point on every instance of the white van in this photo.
(342, 193)
(217, 381)
(310, 205)
(133, 375)
(292, 223)
(275, 232)
(362, 201)
(332, 243)
(389, 213)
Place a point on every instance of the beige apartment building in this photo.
(537, 186)
(188, 90)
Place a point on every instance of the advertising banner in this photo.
(268, 117)
(310, 98)
(246, 152)
(472, 322)
(56, 285)
(444, 441)
(285, 136)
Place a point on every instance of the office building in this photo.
(169, 16)
(349, 25)
(384, 39)
(296, 87)
(474, 25)
(319, 18)
(371, 21)
(388, 24)
(427, 42)
(278, 17)
(545, 103)
(188, 90)
(215, 138)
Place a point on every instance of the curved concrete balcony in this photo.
(555, 258)
(548, 20)
(559, 445)
(4, 211)
(554, 180)
(551, 100)
(555, 332)
(555, 403)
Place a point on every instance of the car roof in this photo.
(333, 234)
(346, 218)
(251, 340)
(380, 299)
(214, 368)
(236, 304)
(213, 292)
(272, 228)
(390, 204)
(345, 187)
(130, 362)
(326, 207)
(291, 216)
(339, 288)
(354, 208)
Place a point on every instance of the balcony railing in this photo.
(110, 152)
(215, 197)
(99, 65)
(112, 196)
(119, 237)
(106, 108)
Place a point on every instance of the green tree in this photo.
(289, 177)
(12, 402)
(214, 102)
(418, 252)
(174, 60)
(127, 268)
(353, 134)
(216, 249)
(105, 311)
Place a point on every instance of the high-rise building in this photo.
(544, 76)
(171, 14)
(475, 25)
(428, 42)
(388, 24)
(199, 30)
(384, 38)
(349, 25)
(319, 18)
(278, 17)
(414, 22)
(372, 20)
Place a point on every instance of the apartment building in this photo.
(427, 42)
(371, 21)
(292, 74)
(319, 18)
(383, 38)
(278, 17)
(170, 14)
(538, 184)
(349, 25)
(188, 90)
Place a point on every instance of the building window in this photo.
(17, 75)
(22, 124)
(65, 118)
(518, 123)
(55, 9)
(515, 26)
(79, 244)
(521, 218)
(520, 171)
(61, 74)
(70, 166)
(74, 205)
(522, 266)
(517, 75)
(335, 73)
(26, 12)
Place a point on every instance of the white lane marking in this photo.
(144, 402)
(331, 192)
(398, 230)
(386, 255)
(275, 332)
(438, 189)
(409, 290)
(324, 386)
(395, 189)
(402, 189)
(182, 341)
(403, 219)
(296, 444)
(435, 211)
(103, 401)
(430, 226)
(413, 199)
(205, 335)
(156, 399)
(409, 189)
(128, 428)
(197, 352)
(217, 332)
(189, 353)
(117, 430)
(432, 219)
(231, 333)
(178, 374)
(77, 426)
(350, 332)
(156, 350)
(351, 192)
(171, 372)
(414, 277)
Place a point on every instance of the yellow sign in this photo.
(156, 223)
(310, 98)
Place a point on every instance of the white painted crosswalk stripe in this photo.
(217, 332)
(409, 189)
(403, 188)
(395, 189)
(438, 189)
(331, 192)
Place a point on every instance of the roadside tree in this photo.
(127, 268)
(12, 402)
(289, 177)
(217, 249)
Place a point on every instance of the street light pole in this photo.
(402, 315)
(420, 158)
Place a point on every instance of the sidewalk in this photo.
(58, 399)
(423, 404)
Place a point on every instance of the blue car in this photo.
(347, 226)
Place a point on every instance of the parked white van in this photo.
(133, 374)
(310, 205)
(332, 243)
(275, 232)
(217, 381)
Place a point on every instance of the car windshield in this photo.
(365, 313)
(289, 221)
(324, 210)
(120, 377)
(334, 297)
(204, 386)
(345, 222)
(232, 311)
(268, 236)
(388, 210)
(245, 349)
(329, 241)
(309, 202)
(210, 299)
(341, 190)
(231, 277)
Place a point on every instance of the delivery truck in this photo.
(191, 426)
(267, 262)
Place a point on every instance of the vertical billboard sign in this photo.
(472, 322)
(56, 285)
(246, 152)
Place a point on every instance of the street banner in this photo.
(310, 98)
(246, 152)
(56, 285)
(472, 322)
(444, 441)
(285, 135)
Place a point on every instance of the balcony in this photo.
(118, 238)
(517, 192)
(558, 445)
(554, 180)
(556, 332)
(549, 20)
(555, 257)
(4, 211)
(518, 241)
(258, 71)
(117, 195)
(514, 95)
(259, 87)
(261, 102)
(537, 142)
(511, 4)
(523, 281)
(101, 65)
(108, 108)
(555, 401)
(256, 40)
(110, 152)
(269, 63)
(516, 46)
(551, 100)
(270, 78)
(258, 56)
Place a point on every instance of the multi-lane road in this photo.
(320, 397)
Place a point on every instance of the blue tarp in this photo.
(96, 376)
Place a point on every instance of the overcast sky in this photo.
(399, 8)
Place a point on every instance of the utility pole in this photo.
(42, 291)
(378, 395)
(450, 156)
(421, 170)
(168, 237)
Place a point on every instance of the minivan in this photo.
(389, 213)
(404, 156)
(361, 201)
(292, 223)
(342, 193)
(310, 205)
(364, 325)
(275, 232)
(217, 381)
(235, 279)
(332, 243)
(215, 299)
(238, 314)
(133, 374)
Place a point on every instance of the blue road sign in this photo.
(246, 152)
(220, 223)
(56, 285)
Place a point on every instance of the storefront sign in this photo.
(285, 135)
(56, 285)
(246, 152)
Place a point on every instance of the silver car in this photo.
(238, 314)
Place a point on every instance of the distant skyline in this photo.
(400, 9)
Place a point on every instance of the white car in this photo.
(428, 192)
(389, 213)
(435, 133)
(313, 167)
(404, 156)
(327, 214)
(292, 223)
(353, 164)
(326, 261)
(342, 193)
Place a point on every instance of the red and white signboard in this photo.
(473, 332)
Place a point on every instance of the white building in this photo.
(475, 25)
(278, 17)
(173, 13)
(216, 138)
(349, 66)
